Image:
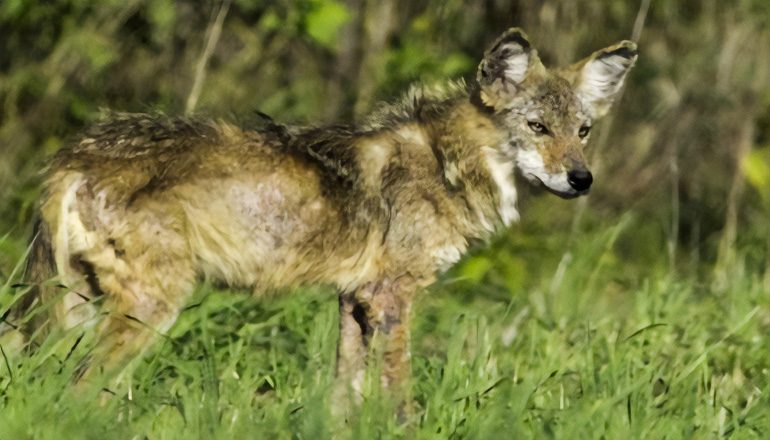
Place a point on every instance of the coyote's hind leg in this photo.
(131, 324)
(147, 279)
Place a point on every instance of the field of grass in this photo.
(585, 344)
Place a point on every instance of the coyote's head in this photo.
(549, 114)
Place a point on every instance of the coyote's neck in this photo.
(477, 161)
(472, 151)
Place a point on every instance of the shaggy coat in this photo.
(140, 207)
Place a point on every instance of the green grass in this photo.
(542, 336)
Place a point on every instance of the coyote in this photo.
(140, 206)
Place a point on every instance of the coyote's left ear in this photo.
(508, 63)
(598, 78)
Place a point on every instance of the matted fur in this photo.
(140, 206)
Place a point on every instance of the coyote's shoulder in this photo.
(140, 206)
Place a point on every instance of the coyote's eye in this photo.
(584, 130)
(537, 127)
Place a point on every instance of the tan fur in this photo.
(141, 206)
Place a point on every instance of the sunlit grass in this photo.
(577, 350)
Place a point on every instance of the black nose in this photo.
(579, 180)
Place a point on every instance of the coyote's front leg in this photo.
(375, 320)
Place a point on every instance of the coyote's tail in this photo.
(41, 267)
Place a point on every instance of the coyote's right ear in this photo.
(509, 62)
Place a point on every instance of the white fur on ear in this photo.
(602, 77)
(509, 62)
(516, 62)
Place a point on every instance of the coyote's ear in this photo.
(598, 78)
(509, 62)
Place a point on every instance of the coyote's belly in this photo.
(261, 231)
